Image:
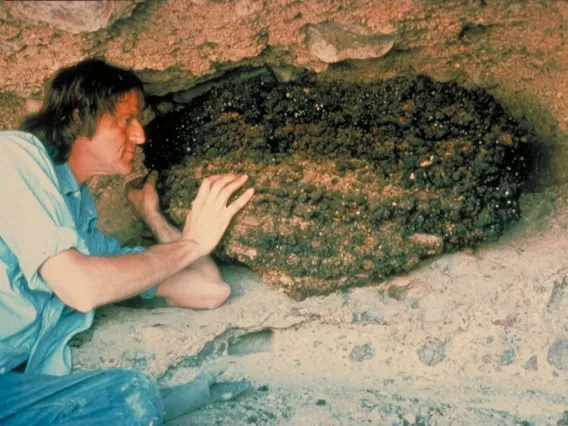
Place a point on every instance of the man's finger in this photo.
(240, 202)
(202, 192)
(231, 188)
(214, 178)
(136, 183)
(221, 183)
(152, 178)
(211, 186)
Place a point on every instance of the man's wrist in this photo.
(194, 249)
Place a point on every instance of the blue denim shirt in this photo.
(43, 212)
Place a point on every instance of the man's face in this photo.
(115, 139)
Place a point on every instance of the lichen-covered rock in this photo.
(353, 182)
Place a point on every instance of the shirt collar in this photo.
(67, 181)
(69, 187)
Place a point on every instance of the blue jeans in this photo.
(108, 397)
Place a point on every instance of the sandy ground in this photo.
(467, 339)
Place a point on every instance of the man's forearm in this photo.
(164, 231)
(120, 277)
(85, 282)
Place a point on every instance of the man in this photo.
(56, 267)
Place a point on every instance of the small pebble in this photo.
(558, 354)
(131, 355)
(432, 352)
(410, 418)
(368, 316)
(507, 357)
(531, 364)
(361, 353)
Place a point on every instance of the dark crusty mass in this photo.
(354, 183)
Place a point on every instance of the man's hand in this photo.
(210, 215)
(143, 196)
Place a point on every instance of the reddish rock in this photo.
(331, 42)
(71, 16)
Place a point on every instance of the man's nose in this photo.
(137, 132)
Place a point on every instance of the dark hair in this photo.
(75, 100)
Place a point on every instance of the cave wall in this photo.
(515, 49)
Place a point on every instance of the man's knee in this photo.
(140, 397)
(215, 296)
(222, 293)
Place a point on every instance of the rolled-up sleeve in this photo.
(103, 245)
(35, 222)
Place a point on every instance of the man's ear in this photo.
(76, 115)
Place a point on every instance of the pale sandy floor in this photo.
(468, 343)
